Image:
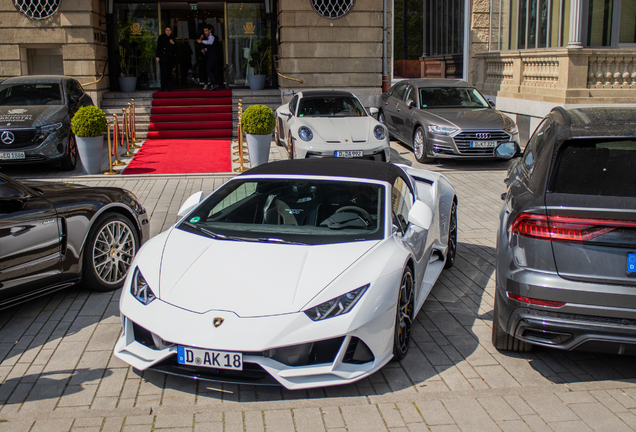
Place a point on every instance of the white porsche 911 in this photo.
(305, 273)
(329, 123)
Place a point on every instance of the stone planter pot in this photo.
(127, 84)
(258, 148)
(257, 82)
(90, 152)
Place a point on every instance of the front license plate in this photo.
(349, 153)
(483, 144)
(631, 264)
(210, 358)
(12, 156)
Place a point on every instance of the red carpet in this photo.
(188, 114)
(181, 156)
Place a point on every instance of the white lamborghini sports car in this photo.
(329, 123)
(304, 273)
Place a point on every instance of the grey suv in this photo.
(566, 246)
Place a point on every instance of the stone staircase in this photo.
(114, 102)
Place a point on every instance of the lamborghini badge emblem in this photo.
(218, 321)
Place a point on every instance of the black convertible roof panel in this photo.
(353, 168)
(325, 93)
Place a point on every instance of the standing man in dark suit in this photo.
(214, 57)
(165, 57)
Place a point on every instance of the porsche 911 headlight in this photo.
(337, 306)
(305, 133)
(442, 130)
(378, 132)
(140, 289)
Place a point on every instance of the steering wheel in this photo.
(360, 211)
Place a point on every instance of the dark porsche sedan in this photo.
(444, 118)
(54, 235)
(35, 119)
(566, 246)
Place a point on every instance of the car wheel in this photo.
(502, 340)
(452, 237)
(70, 160)
(290, 147)
(277, 135)
(109, 251)
(419, 147)
(404, 316)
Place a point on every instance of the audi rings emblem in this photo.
(482, 135)
(7, 137)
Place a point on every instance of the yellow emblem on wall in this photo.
(249, 27)
(135, 28)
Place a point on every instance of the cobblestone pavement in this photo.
(57, 371)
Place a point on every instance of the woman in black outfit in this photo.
(165, 56)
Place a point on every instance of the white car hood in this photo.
(248, 278)
(340, 129)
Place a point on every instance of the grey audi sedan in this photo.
(566, 246)
(444, 118)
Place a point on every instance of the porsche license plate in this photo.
(349, 153)
(483, 144)
(210, 358)
(12, 156)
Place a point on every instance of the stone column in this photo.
(576, 14)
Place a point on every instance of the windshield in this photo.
(333, 106)
(30, 94)
(291, 211)
(451, 97)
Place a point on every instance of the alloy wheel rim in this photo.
(290, 149)
(418, 144)
(72, 151)
(405, 312)
(452, 237)
(113, 252)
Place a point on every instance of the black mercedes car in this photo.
(566, 246)
(54, 235)
(35, 119)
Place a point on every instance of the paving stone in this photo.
(174, 420)
(434, 413)
(550, 408)
(498, 409)
(364, 418)
(598, 417)
(17, 426)
(52, 425)
(332, 418)
(469, 415)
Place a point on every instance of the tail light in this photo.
(564, 228)
(534, 301)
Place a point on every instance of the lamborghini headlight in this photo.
(442, 130)
(336, 306)
(379, 133)
(305, 133)
(139, 288)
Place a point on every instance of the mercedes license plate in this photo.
(12, 156)
(349, 153)
(210, 358)
(631, 264)
(483, 144)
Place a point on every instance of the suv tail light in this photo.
(564, 228)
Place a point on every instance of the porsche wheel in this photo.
(290, 148)
(451, 252)
(502, 340)
(70, 159)
(419, 147)
(109, 251)
(277, 134)
(404, 316)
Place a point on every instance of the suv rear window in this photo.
(597, 167)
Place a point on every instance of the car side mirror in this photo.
(286, 113)
(373, 111)
(506, 150)
(421, 215)
(192, 201)
(410, 103)
(74, 100)
(491, 102)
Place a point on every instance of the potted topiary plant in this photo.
(260, 62)
(88, 125)
(258, 123)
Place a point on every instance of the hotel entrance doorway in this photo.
(244, 29)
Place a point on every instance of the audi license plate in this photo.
(631, 264)
(483, 144)
(210, 358)
(12, 156)
(349, 153)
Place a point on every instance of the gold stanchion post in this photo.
(240, 159)
(116, 142)
(126, 131)
(134, 124)
(110, 171)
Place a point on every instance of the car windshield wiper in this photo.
(218, 236)
(277, 240)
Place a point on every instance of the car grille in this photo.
(463, 139)
(23, 137)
